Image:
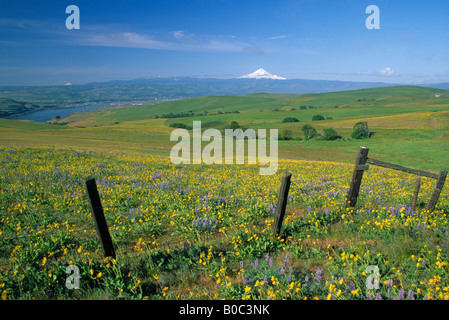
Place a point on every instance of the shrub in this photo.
(309, 131)
(330, 134)
(317, 117)
(180, 125)
(286, 135)
(361, 130)
(172, 115)
(234, 125)
(290, 119)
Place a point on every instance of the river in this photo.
(46, 115)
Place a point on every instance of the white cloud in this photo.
(178, 34)
(277, 37)
(123, 39)
(115, 35)
(388, 72)
(183, 36)
(178, 41)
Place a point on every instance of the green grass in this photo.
(155, 213)
(155, 210)
(410, 124)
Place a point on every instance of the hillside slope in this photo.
(410, 124)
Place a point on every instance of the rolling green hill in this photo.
(410, 124)
(10, 107)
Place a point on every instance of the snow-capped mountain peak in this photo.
(261, 74)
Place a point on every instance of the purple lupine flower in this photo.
(256, 262)
(265, 279)
(319, 273)
(390, 283)
(350, 286)
(411, 295)
(378, 296)
(241, 265)
(267, 257)
(205, 223)
(287, 259)
(281, 271)
(306, 279)
(369, 296)
(401, 294)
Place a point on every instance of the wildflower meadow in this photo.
(205, 231)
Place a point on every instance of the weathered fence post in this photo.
(360, 166)
(100, 221)
(282, 203)
(415, 192)
(437, 190)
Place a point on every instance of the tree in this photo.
(309, 131)
(286, 135)
(290, 119)
(317, 117)
(361, 130)
(180, 125)
(330, 134)
(234, 125)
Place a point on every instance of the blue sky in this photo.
(307, 39)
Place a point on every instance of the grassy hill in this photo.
(206, 231)
(10, 107)
(409, 122)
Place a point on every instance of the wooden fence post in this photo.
(100, 221)
(282, 203)
(437, 190)
(360, 166)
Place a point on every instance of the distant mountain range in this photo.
(241, 86)
(257, 82)
(192, 87)
(262, 74)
